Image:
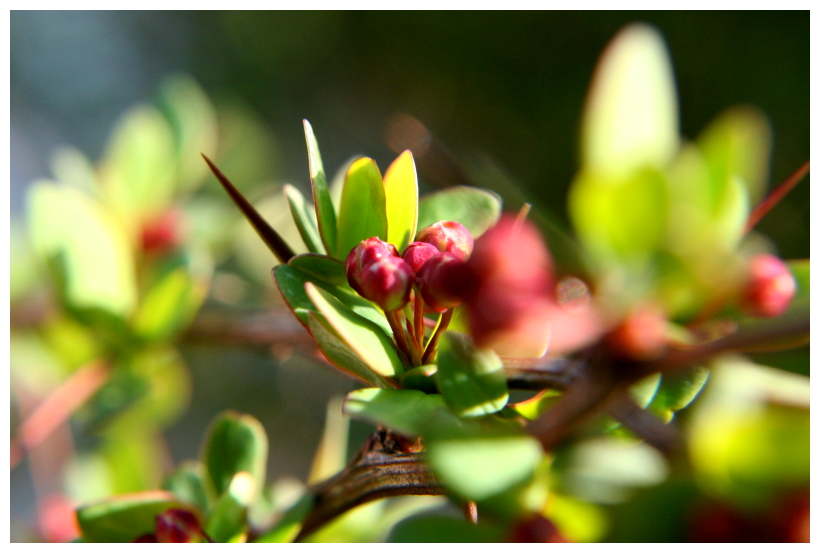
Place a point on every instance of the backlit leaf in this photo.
(362, 213)
(122, 519)
(325, 212)
(305, 219)
(236, 443)
(401, 190)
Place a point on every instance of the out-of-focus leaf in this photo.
(228, 518)
(236, 443)
(331, 455)
(187, 484)
(750, 433)
(364, 337)
(74, 343)
(305, 219)
(421, 378)
(401, 190)
(579, 521)
(737, 145)
(138, 172)
(801, 271)
(124, 518)
(86, 246)
(339, 353)
(71, 167)
(623, 219)
(795, 360)
(644, 390)
(169, 305)
(471, 381)
(290, 524)
(475, 208)
(362, 213)
(677, 390)
(606, 469)
(408, 412)
(325, 212)
(481, 459)
(631, 115)
(443, 529)
(193, 121)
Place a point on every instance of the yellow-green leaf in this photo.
(325, 212)
(401, 190)
(363, 211)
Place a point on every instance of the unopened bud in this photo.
(365, 253)
(163, 233)
(536, 529)
(387, 282)
(178, 526)
(641, 335)
(770, 287)
(437, 281)
(449, 237)
(417, 254)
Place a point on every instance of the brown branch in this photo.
(664, 437)
(263, 329)
(58, 407)
(386, 466)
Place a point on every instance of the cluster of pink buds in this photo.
(377, 272)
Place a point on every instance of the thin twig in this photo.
(774, 198)
(442, 326)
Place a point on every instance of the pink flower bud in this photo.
(641, 335)
(449, 237)
(163, 233)
(438, 281)
(366, 252)
(178, 526)
(387, 282)
(417, 254)
(770, 287)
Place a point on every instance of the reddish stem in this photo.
(774, 198)
(431, 345)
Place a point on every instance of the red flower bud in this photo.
(387, 282)
(163, 233)
(417, 254)
(178, 526)
(438, 281)
(449, 237)
(641, 335)
(770, 287)
(536, 529)
(365, 253)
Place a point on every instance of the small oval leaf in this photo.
(363, 211)
(401, 190)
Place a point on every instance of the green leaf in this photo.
(363, 337)
(138, 171)
(227, 522)
(339, 353)
(363, 211)
(475, 208)
(619, 220)
(472, 381)
(124, 518)
(321, 268)
(631, 115)
(408, 412)
(401, 190)
(236, 443)
(443, 529)
(86, 246)
(290, 524)
(677, 390)
(421, 378)
(173, 298)
(644, 390)
(305, 219)
(481, 459)
(737, 145)
(187, 484)
(325, 212)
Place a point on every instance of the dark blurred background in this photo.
(499, 89)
